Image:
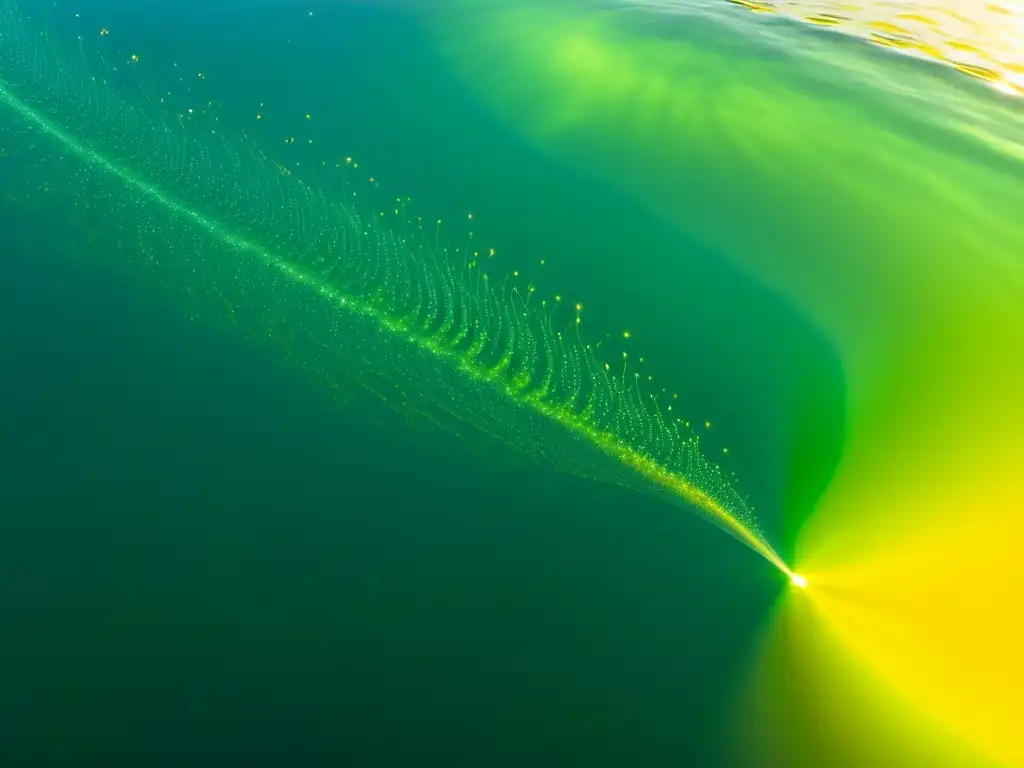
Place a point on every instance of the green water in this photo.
(209, 554)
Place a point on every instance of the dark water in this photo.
(206, 558)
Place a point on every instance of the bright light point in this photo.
(798, 580)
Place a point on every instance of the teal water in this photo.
(207, 555)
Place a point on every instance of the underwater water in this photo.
(373, 370)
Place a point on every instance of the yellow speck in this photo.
(707, 425)
(579, 307)
(308, 116)
(625, 334)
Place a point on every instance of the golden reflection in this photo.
(983, 40)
